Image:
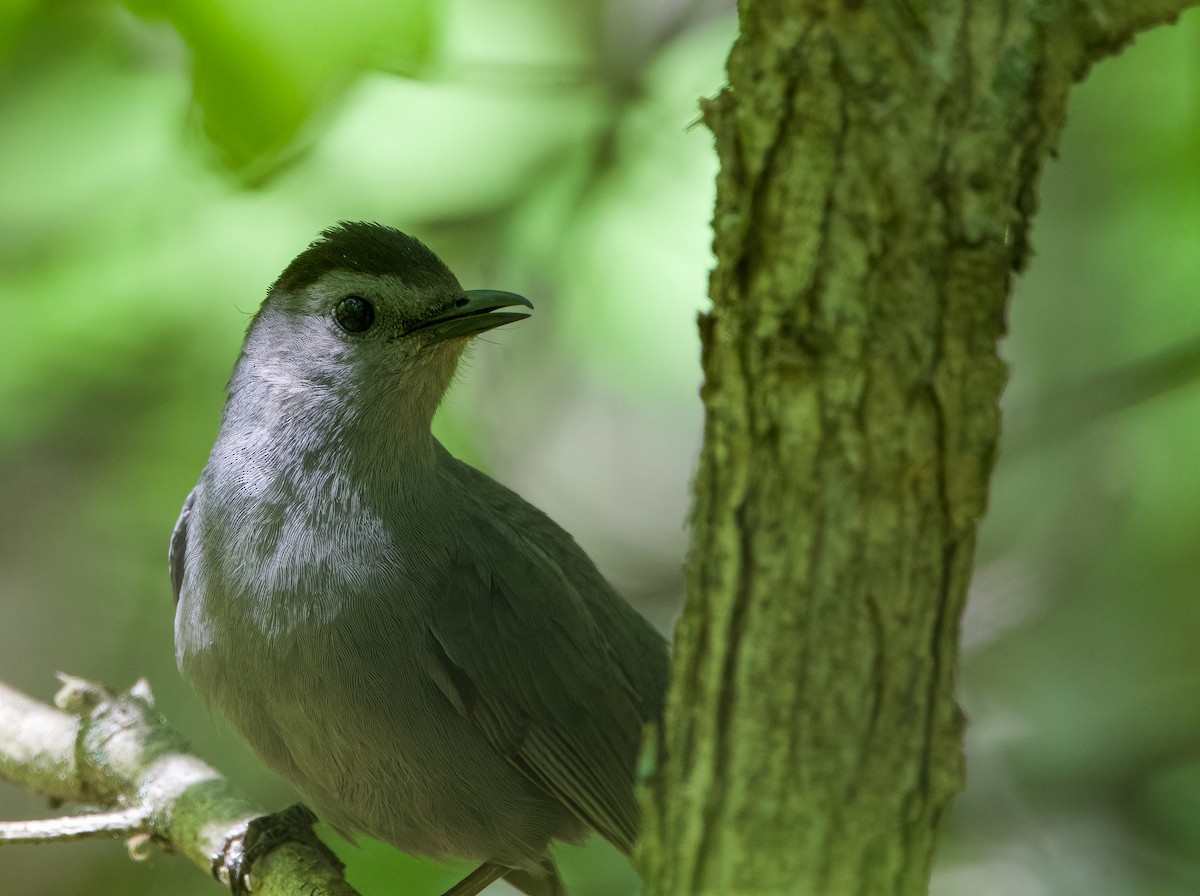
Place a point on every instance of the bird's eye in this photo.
(354, 314)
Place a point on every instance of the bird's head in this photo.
(368, 318)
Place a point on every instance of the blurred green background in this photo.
(160, 162)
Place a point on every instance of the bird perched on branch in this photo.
(430, 660)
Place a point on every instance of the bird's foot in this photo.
(545, 883)
(262, 835)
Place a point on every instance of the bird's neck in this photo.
(317, 435)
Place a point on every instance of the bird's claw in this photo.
(262, 835)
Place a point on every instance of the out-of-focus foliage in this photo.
(261, 70)
(549, 149)
(1082, 678)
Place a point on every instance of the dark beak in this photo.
(474, 313)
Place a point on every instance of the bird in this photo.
(431, 661)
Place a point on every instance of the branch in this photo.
(879, 172)
(117, 754)
(1120, 21)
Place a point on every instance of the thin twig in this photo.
(122, 823)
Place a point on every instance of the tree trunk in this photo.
(879, 164)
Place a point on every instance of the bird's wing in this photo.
(519, 653)
(178, 551)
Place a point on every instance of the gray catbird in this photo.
(430, 660)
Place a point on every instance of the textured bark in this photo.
(879, 164)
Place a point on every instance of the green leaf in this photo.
(265, 70)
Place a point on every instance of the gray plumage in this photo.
(430, 659)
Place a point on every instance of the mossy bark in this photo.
(879, 165)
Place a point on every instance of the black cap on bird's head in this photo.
(368, 248)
